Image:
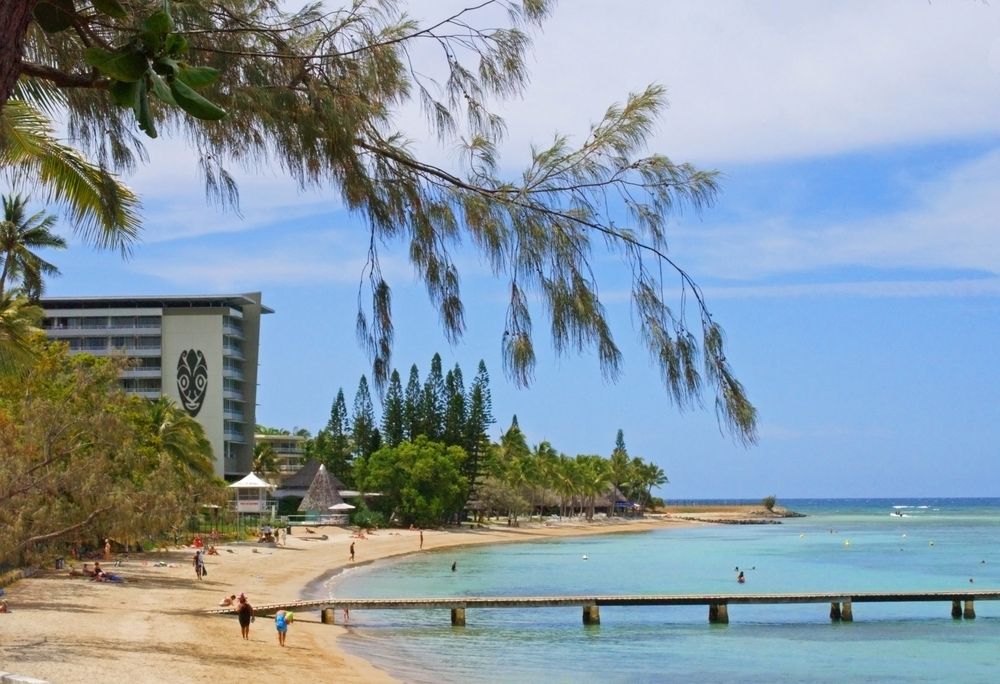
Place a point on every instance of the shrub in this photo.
(367, 518)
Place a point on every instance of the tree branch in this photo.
(63, 80)
(66, 530)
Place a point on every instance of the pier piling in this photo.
(718, 614)
(328, 616)
(458, 617)
(835, 611)
(956, 609)
(591, 615)
(970, 610)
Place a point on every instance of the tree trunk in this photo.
(15, 16)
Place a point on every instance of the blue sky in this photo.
(853, 257)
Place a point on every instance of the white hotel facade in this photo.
(201, 351)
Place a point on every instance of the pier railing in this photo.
(841, 604)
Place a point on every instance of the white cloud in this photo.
(754, 81)
(950, 223)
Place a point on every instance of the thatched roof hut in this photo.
(298, 483)
(322, 493)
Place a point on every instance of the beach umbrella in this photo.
(341, 507)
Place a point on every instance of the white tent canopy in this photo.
(251, 481)
(251, 495)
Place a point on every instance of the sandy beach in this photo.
(152, 627)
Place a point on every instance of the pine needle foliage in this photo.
(316, 92)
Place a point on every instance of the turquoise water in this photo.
(843, 545)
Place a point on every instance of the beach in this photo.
(153, 628)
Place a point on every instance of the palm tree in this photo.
(595, 479)
(20, 235)
(179, 437)
(564, 483)
(619, 465)
(265, 459)
(652, 476)
(19, 321)
(265, 430)
(103, 209)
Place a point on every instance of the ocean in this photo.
(843, 545)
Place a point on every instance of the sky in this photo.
(852, 257)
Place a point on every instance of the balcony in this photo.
(88, 345)
(144, 372)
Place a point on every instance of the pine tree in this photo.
(412, 418)
(456, 410)
(433, 402)
(620, 465)
(337, 444)
(478, 421)
(363, 430)
(393, 412)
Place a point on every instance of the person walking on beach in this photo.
(421, 539)
(352, 552)
(281, 621)
(245, 614)
(199, 563)
(107, 549)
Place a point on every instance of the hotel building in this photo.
(200, 351)
(289, 451)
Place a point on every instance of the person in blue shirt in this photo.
(281, 621)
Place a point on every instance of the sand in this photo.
(153, 628)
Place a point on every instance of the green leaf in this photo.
(152, 42)
(121, 66)
(161, 89)
(141, 109)
(166, 66)
(197, 77)
(110, 7)
(124, 93)
(175, 45)
(193, 103)
(158, 22)
(55, 15)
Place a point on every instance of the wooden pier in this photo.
(841, 604)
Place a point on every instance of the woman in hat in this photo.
(245, 613)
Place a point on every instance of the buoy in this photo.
(847, 542)
(802, 535)
(584, 556)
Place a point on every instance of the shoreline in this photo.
(64, 629)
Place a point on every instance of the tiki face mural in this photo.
(192, 380)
